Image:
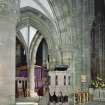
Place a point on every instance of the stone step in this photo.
(26, 103)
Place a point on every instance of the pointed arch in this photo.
(34, 18)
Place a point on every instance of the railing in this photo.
(22, 87)
(82, 97)
(99, 94)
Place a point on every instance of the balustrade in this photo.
(99, 94)
(82, 97)
(22, 87)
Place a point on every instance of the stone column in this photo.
(8, 19)
(32, 81)
(44, 53)
(33, 94)
(18, 54)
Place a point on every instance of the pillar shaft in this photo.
(8, 21)
(7, 63)
(32, 81)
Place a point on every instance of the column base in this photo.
(34, 95)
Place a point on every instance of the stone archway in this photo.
(36, 19)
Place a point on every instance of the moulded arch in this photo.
(36, 19)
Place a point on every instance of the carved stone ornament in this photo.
(3, 7)
(9, 7)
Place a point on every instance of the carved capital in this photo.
(9, 8)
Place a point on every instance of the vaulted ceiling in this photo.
(65, 25)
(41, 5)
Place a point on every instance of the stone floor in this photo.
(32, 101)
(90, 103)
(26, 103)
(96, 103)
